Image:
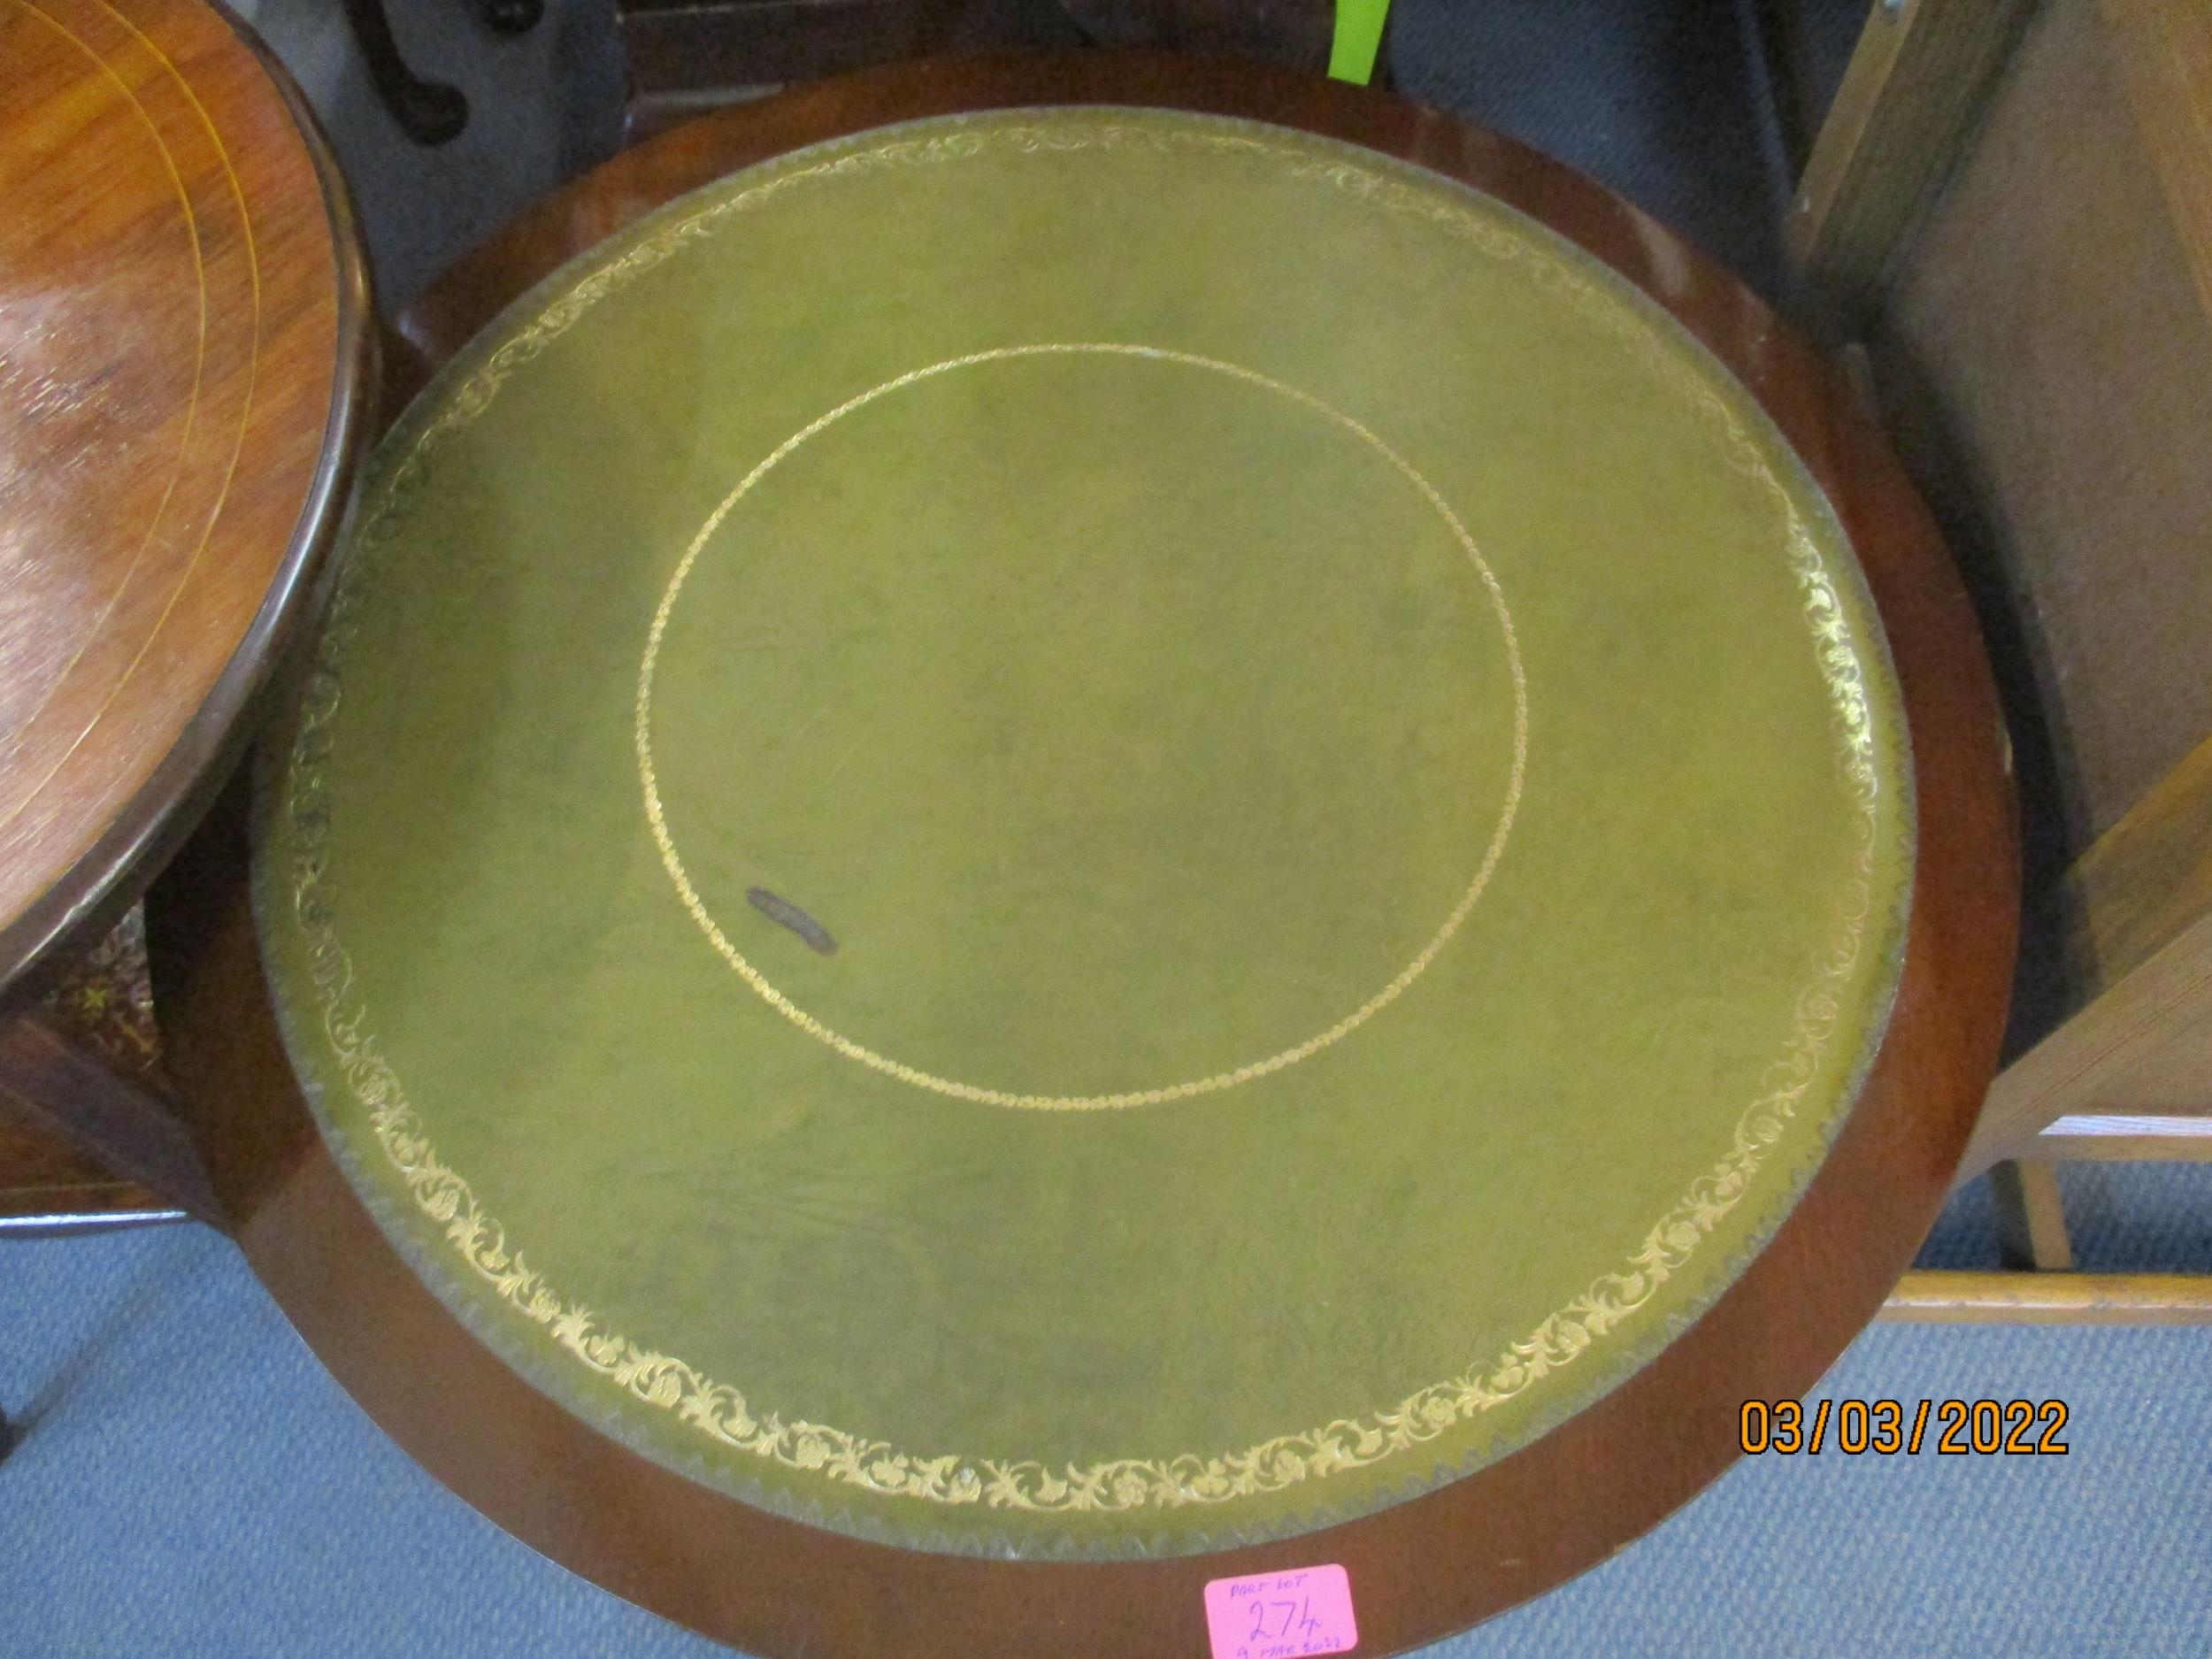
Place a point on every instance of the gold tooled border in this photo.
(721, 1412)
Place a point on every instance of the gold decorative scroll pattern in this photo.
(721, 1412)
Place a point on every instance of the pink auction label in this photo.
(1282, 1614)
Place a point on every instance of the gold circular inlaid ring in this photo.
(814, 1027)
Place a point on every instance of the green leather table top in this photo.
(1084, 833)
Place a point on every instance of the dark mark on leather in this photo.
(789, 915)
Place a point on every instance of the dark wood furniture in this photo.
(688, 56)
(180, 409)
(98, 1002)
(1426, 1567)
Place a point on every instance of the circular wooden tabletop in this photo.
(183, 341)
(1419, 1568)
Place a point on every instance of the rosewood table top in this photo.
(184, 352)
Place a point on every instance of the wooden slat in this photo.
(2030, 1217)
(2166, 51)
(2128, 1074)
(2146, 879)
(2091, 1062)
(2136, 920)
(1959, 1298)
(1915, 85)
(2171, 1080)
(2109, 1137)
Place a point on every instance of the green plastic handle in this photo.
(1359, 27)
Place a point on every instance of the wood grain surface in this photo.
(182, 355)
(1419, 1569)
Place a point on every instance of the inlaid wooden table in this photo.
(184, 354)
(1076, 825)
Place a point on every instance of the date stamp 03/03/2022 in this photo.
(1950, 1428)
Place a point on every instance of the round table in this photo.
(184, 352)
(1421, 1567)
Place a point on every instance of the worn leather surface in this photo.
(1354, 784)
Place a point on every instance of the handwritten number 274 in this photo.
(1294, 1616)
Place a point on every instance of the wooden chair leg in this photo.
(428, 111)
(2031, 1220)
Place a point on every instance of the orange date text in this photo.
(1949, 1428)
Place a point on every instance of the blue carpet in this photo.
(192, 1486)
